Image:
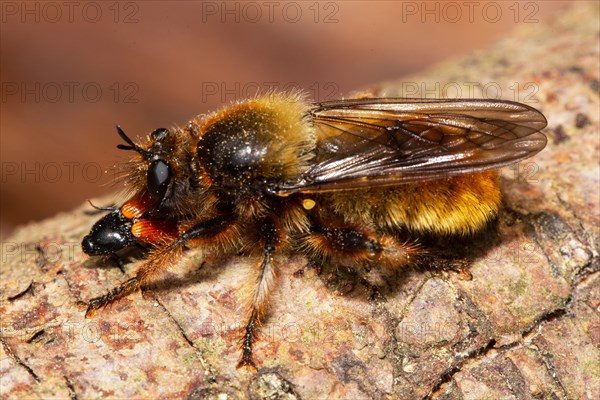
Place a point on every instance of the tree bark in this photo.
(526, 326)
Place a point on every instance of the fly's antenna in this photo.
(109, 208)
(131, 146)
(98, 209)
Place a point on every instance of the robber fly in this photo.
(344, 181)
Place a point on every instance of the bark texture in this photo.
(526, 326)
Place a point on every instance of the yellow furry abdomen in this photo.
(457, 206)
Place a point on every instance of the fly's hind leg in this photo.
(260, 293)
(357, 245)
(159, 260)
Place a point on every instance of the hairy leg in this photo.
(261, 291)
(159, 260)
(357, 245)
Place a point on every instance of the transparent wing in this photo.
(381, 142)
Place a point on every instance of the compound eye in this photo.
(159, 134)
(159, 176)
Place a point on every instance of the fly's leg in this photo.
(357, 245)
(261, 291)
(159, 260)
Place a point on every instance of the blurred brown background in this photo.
(71, 71)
